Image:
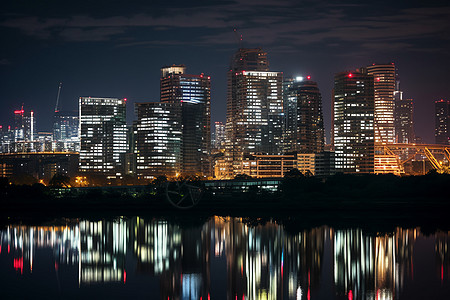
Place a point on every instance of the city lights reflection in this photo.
(261, 259)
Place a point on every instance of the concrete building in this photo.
(254, 108)
(193, 93)
(304, 129)
(404, 121)
(103, 135)
(354, 122)
(65, 131)
(158, 140)
(442, 122)
(384, 88)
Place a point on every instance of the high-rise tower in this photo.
(442, 122)
(158, 139)
(354, 122)
(193, 93)
(24, 126)
(304, 117)
(254, 108)
(404, 121)
(103, 134)
(384, 88)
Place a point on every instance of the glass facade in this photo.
(404, 121)
(442, 122)
(103, 135)
(384, 88)
(304, 131)
(193, 93)
(158, 139)
(65, 131)
(354, 122)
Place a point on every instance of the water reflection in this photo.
(263, 261)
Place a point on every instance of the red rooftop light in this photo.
(350, 75)
(308, 77)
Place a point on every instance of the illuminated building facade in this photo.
(103, 135)
(24, 126)
(388, 164)
(158, 139)
(442, 122)
(303, 116)
(353, 122)
(193, 93)
(404, 121)
(219, 135)
(65, 131)
(254, 108)
(384, 88)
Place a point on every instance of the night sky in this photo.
(116, 48)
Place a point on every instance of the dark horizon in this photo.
(116, 49)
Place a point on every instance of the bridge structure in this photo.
(437, 155)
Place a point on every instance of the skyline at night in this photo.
(118, 51)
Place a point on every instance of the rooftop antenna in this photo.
(238, 36)
(57, 97)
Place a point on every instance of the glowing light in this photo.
(350, 295)
(350, 75)
(299, 78)
(17, 112)
(18, 264)
(308, 77)
(124, 276)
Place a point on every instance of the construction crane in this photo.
(57, 97)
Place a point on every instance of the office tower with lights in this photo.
(65, 130)
(193, 93)
(303, 117)
(354, 122)
(158, 139)
(24, 126)
(254, 108)
(404, 121)
(219, 135)
(442, 122)
(384, 88)
(103, 135)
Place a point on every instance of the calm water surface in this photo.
(224, 258)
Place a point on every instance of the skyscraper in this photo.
(219, 135)
(103, 135)
(384, 87)
(193, 93)
(304, 118)
(354, 122)
(254, 108)
(158, 139)
(404, 121)
(442, 122)
(24, 126)
(65, 130)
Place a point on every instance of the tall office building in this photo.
(219, 135)
(193, 93)
(158, 139)
(442, 122)
(384, 88)
(303, 116)
(354, 122)
(24, 126)
(254, 108)
(404, 121)
(65, 131)
(103, 135)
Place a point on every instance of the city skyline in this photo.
(119, 53)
